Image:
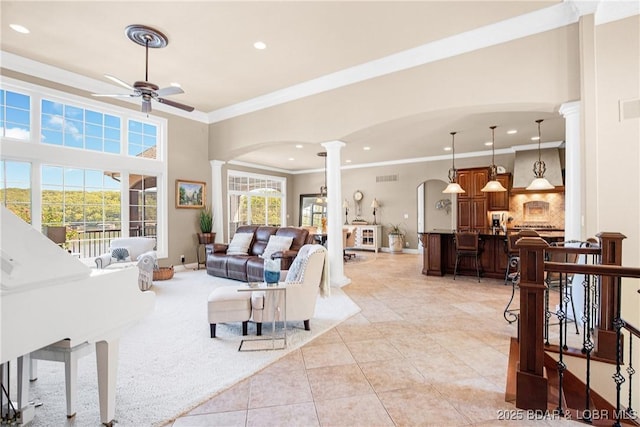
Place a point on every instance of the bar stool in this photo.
(467, 245)
(513, 253)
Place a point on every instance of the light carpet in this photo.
(168, 363)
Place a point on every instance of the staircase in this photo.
(599, 411)
(558, 380)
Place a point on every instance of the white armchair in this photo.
(307, 276)
(130, 251)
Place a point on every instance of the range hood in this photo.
(523, 168)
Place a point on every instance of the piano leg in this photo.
(26, 410)
(107, 360)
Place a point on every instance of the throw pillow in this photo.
(120, 254)
(276, 244)
(239, 245)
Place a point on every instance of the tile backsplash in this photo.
(556, 208)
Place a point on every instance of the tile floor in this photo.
(423, 351)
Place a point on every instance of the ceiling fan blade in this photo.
(176, 104)
(115, 95)
(146, 106)
(170, 90)
(120, 82)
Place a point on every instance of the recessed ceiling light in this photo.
(291, 158)
(512, 132)
(347, 161)
(535, 138)
(260, 45)
(366, 148)
(447, 148)
(19, 28)
(298, 145)
(175, 84)
(488, 143)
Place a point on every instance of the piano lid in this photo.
(29, 259)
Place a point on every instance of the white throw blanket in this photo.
(297, 269)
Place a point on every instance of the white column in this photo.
(216, 199)
(573, 207)
(334, 214)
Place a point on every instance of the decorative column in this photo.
(334, 214)
(573, 202)
(216, 199)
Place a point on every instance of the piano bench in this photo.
(63, 351)
(226, 304)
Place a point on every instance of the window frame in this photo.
(232, 174)
(38, 154)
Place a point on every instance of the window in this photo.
(143, 205)
(92, 196)
(86, 202)
(15, 188)
(142, 139)
(77, 127)
(255, 199)
(15, 119)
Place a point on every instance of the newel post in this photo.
(605, 333)
(531, 384)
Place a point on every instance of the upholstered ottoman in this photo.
(226, 304)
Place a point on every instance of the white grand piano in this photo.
(47, 295)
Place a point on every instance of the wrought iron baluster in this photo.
(630, 372)
(619, 379)
(587, 343)
(562, 345)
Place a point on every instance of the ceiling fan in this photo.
(147, 37)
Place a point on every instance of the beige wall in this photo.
(188, 159)
(615, 205)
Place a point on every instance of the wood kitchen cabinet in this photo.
(472, 205)
(500, 201)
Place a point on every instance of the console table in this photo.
(367, 237)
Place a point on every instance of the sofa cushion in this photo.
(298, 235)
(276, 244)
(240, 243)
(237, 267)
(263, 233)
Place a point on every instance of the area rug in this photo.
(168, 363)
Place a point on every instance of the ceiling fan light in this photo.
(540, 184)
(453, 188)
(493, 187)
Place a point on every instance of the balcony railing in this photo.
(92, 243)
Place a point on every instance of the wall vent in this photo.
(629, 109)
(387, 178)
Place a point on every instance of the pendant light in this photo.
(453, 186)
(539, 168)
(323, 189)
(493, 186)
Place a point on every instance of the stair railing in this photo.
(601, 318)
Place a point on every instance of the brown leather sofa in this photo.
(250, 268)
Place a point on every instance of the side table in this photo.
(261, 286)
(208, 247)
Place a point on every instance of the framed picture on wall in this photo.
(190, 194)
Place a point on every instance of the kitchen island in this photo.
(439, 253)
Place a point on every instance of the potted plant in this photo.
(396, 238)
(206, 224)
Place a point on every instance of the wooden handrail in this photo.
(596, 269)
